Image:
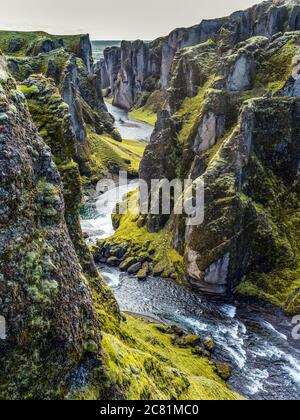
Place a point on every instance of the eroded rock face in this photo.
(85, 51)
(70, 94)
(110, 66)
(238, 236)
(210, 130)
(160, 160)
(138, 66)
(234, 107)
(241, 76)
(216, 274)
(139, 61)
(52, 328)
(187, 76)
(292, 86)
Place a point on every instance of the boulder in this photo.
(143, 272)
(113, 261)
(223, 370)
(133, 269)
(186, 341)
(129, 262)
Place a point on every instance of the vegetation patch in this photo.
(108, 156)
(277, 67)
(144, 364)
(145, 115)
(135, 246)
(190, 112)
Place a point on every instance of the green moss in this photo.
(19, 43)
(145, 115)
(28, 90)
(144, 364)
(190, 112)
(277, 67)
(50, 115)
(214, 151)
(142, 244)
(108, 156)
(279, 287)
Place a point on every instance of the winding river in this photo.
(254, 337)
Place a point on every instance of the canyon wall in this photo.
(65, 62)
(65, 335)
(236, 119)
(136, 69)
(52, 328)
(230, 119)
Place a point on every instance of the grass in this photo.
(110, 156)
(276, 69)
(28, 90)
(190, 111)
(26, 39)
(144, 363)
(282, 288)
(144, 115)
(213, 152)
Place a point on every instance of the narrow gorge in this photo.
(100, 305)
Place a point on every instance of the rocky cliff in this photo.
(45, 296)
(230, 119)
(237, 119)
(137, 69)
(66, 61)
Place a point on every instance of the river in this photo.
(129, 128)
(254, 337)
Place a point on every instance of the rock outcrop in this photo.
(52, 328)
(20, 44)
(69, 65)
(137, 68)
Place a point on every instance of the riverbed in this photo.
(254, 337)
(128, 127)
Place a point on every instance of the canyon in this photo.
(229, 118)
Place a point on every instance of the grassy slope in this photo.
(110, 156)
(144, 115)
(71, 42)
(160, 242)
(144, 363)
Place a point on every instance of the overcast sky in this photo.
(112, 19)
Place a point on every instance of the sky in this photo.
(113, 19)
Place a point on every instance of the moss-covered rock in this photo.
(187, 341)
(64, 63)
(45, 295)
(143, 272)
(223, 370)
